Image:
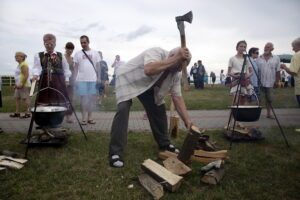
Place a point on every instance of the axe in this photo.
(188, 17)
(174, 119)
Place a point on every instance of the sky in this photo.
(129, 27)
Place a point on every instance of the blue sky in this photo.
(131, 26)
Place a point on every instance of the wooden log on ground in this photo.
(2, 170)
(189, 144)
(10, 164)
(168, 180)
(213, 176)
(18, 160)
(216, 165)
(211, 154)
(176, 166)
(152, 186)
(12, 154)
(166, 154)
(204, 159)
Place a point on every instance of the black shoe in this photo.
(170, 148)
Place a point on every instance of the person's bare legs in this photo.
(90, 107)
(83, 107)
(27, 104)
(18, 102)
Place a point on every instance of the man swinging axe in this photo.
(150, 76)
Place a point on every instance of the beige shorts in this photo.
(22, 93)
(267, 93)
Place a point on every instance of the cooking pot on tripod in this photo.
(49, 116)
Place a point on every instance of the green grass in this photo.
(79, 170)
(209, 98)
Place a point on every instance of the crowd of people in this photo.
(149, 76)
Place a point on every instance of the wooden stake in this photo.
(174, 121)
(151, 185)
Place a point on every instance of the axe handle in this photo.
(184, 73)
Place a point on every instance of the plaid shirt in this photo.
(131, 80)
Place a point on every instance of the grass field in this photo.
(209, 98)
(265, 170)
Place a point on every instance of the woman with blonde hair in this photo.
(22, 85)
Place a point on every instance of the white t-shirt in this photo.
(236, 65)
(86, 71)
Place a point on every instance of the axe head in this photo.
(188, 17)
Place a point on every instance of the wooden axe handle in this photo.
(184, 72)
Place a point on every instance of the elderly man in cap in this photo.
(150, 76)
(55, 72)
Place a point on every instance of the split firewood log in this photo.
(189, 144)
(169, 180)
(152, 186)
(213, 176)
(176, 166)
(10, 164)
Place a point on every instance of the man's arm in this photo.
(181, 109)
(283, 66)
(37, 68)
(176, 60)
(75, 72)
(98, 68)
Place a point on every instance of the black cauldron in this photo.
(49, 116)
(246, 113)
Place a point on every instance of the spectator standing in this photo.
(222, 77)
(269, 67)
(193, 73)
(22, 85)
(104, 79)
(235, 67)
(117, 63)
(201, 73)
(294, 68)
(87, 73)
(253, 55)
(213, 78)
(69, 48)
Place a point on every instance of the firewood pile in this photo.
(171, 174)
(11, 160)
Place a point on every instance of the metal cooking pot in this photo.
(50, 116)
(246, 113)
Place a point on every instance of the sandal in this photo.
(27, 115)
(91, 121)
(15, 115)
(116, 161)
